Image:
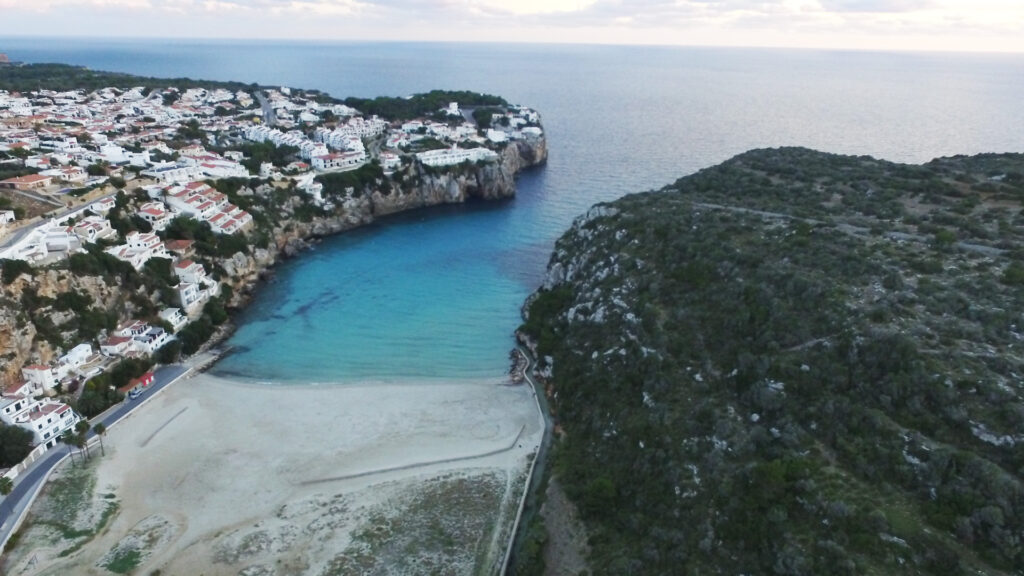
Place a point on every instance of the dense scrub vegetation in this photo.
(795, 363)
(420, 105)
(15, 444)
(366, 176)
(64, 77)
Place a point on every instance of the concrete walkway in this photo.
(533, 477)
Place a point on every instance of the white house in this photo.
(190, 295)
(116, 346)
(131, 328)
(338, 160)
(31, 247)
(390, 160)
(61, 238)
(139, 159)
(114, 154)
(174, 317)
(48, 419)
(222, 169)
(75, 357)
(69, 174)
(137, 336)
(156, 214)
(139, 249)
(16, 400)
(93, 228)
(152, 339)
(189, 271)
(40, 376)
(195, 287)
(102, 206)
(455, 155)
(397, 140)
(171, 172)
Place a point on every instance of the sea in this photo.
(436, 294)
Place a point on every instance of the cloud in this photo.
(877, 6)
(948, 23)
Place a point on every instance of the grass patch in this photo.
(86, 535)
(446, 527)
(124, 561)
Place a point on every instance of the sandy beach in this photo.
(220, 477)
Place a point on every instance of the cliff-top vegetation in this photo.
(795, 363)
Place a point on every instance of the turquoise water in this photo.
(437, 293)
(405, 298)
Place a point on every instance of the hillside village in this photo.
(130, 218)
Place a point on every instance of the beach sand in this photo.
(215, 477)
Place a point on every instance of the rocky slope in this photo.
(795, 363)
(29, 301)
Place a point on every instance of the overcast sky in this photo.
(958, 25)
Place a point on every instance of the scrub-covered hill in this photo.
(795, 363)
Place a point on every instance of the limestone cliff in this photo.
(20, 341)
(490, 181)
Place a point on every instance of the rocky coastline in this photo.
(493, 181)
(20, 339)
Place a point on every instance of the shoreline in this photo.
(311, 234)
(402, 440)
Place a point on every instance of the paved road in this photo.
(20, 233)
(29, 482)
(269, 117)
(162, 378)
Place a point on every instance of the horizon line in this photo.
(308, 40)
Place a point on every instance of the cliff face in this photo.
(490, 181)
(19, 344)
(16, 338)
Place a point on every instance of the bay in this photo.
(436, 293)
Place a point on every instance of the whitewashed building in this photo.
(455, 155)
(40, 376)
(140, 247)
(156, 214)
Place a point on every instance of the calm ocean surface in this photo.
(436, 294)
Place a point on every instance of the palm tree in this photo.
(79, 440)
(100, 429)
(6, 486)
(83, 429)
(68, 438)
